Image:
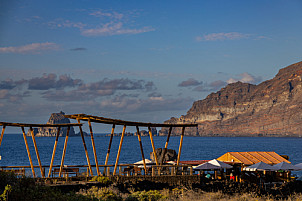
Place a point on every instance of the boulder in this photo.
(55, 118)
(170, 155)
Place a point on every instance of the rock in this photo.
(55, 118)
(271, 108)
(146, 133)
(170, 155)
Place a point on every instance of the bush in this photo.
(25, 189)
(101, 194)
(102, 180)
(151, 195)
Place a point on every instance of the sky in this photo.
(137, 60)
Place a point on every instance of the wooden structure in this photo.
(31, 126)
(250, 158)
(123, 123)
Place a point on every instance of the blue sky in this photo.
(137, 60)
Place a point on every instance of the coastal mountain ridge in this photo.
(271, 108)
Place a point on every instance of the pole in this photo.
(119, 150)
(141, 147)
(28, 153)
(180, 144)
(2, 133)
(36, 149)
(166, 145)
(109, 147)
(54, 151)
(85, 148)
(64, 151)
(94, 150)
(153, 147)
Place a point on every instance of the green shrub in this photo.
(4, 195)
(102, 194)
(101, 179)
(151, 195)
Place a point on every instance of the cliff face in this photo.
(55, 118)
(272, 108)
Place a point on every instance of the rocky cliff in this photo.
(55, 118)
(272, 108)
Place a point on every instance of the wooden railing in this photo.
(123, 170)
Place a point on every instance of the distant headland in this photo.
(271, 108)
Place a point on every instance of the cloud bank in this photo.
(34, 48)
(223, 36)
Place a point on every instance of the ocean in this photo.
(13, 150)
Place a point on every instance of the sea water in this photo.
(13, 149)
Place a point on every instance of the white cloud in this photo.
(34, 48)
(245, 78)
(114, 15)
(107, 23)
(156, 98)
(113, 28)
(222, 36)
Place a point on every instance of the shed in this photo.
(253, 157)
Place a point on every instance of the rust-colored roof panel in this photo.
(249, 158)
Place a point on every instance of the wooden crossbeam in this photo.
(37, 125)
(104, 120)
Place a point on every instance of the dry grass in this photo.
(212, 196)
(178, 194)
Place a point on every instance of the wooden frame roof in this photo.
(38, 125)
(104, 120)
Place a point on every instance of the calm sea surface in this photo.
(13, 151)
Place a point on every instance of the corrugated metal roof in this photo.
(249, 158)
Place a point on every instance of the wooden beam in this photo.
(180, 144)
(119, 150)
(94, 150)
(28, 153)
(54, 151)
(141, 147)
(85, 148)
(64, 151)
(109, 147)
(104, 120)
(166, 145)
(2, 133)
(37, 152)
(36, 125)
(153, 147)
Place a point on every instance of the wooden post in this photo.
(94, 151)
(168, 137)
(2, 133)
(180, 144)
(120, 170)
(141, 147)
(109, 147)
(153, 147)
(85, 148)
(153, 171)
(166, 145)
(152, 143)
(108, 171)
(54, 151)
(36, 149)
(28, 153)
(64, 151)
(119, 150)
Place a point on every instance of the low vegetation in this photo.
(24, 188)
